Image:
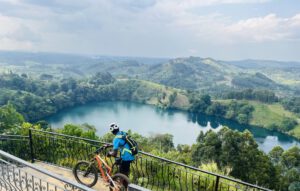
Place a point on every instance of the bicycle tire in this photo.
(92, 170)
(124, 182)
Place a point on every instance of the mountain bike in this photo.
(86, 172)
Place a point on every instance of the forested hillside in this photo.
(32, 89)
(37, 98)
(46, 83)
(192, 73)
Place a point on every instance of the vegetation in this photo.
(36, 99)
(234, 154)
(264, 96)
(237, 111)
(275, 117)
(258, 80)
(192, 73)
(9, 118)
(227, 152)
(287, 167)
(292, 104)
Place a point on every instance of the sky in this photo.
(220, 29)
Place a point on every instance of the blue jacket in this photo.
(119, 143)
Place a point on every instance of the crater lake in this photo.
(149, 120)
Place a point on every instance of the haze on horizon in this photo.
(221, 29)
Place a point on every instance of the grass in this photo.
(267, 114)
(296, 131)
(157, 94)
(281, 78)
(264, 114)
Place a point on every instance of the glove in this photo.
(109, 154)
(108, 145)
(112, 153)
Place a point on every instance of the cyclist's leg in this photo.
(125, 167)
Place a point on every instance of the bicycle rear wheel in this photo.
(85, 173)
(120, 183)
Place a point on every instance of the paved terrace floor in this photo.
(66, 173)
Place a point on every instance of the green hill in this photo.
(254, 81)
(191, 73)
(271, 116)
(268, 115)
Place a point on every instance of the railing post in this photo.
(217, 183)
(31, 146)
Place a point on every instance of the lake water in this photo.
(149, 120)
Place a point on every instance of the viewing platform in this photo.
(54, 155)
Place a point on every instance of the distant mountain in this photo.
(259, 64)
(192, 73)
(257, 80)
(68, 65)
(21, 58)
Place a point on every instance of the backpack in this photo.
(132, 144)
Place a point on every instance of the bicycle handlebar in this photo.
(103, 148)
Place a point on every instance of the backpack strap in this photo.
(126, 150)
(119, 136)
(122, 136)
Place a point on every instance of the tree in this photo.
(239, 151)
(207, 148)
(200, 105)
(276, 154)
(9, 118)
(288, 124)
(295, 186)
(287, 165)
(163, 142)
(172, 98)
(102, 79)
(217, 109)
(85, 131)
(291, 157)
(242, 118)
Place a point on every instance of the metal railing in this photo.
(147, 170)
(162, 174)
(16, 145)
(17, 174)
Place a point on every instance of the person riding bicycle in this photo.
(120, 143)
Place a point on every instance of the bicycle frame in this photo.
(105, 171)
(105, 175)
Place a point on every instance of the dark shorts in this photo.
(125, 167)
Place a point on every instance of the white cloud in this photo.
(219, 29)
(149, 27)
(180, 5)
(14, 2)
(267, 28)
(215, 28)
(15, 34)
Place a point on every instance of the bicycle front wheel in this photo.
(120, 182)
(85, 173)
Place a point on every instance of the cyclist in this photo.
(125, 152)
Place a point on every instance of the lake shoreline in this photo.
(186, 123)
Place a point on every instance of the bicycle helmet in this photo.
(113, 127)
